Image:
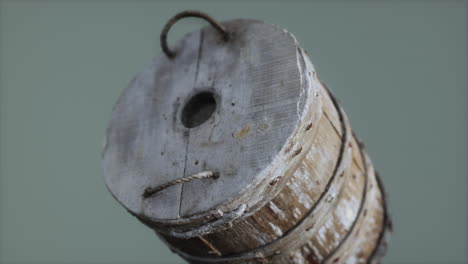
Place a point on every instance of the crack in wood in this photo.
(188, 132)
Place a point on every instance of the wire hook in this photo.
(189, 13)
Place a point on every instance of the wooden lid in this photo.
(224, 106)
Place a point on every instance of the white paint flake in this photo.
(276, 229)
(296, 213)
(277, 211)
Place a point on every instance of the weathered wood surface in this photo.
(259, 97)
(294, 186)
(339, 218)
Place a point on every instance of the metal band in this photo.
(261, 252)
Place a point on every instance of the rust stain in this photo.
(297, 151)
(243, 132)
(275, 181)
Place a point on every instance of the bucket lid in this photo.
(220, 111)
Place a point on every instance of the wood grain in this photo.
(295, 185)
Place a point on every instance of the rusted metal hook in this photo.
(189, 13)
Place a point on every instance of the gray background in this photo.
(399, 68)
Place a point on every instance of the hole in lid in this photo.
(198, 109)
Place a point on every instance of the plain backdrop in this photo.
(398, 67)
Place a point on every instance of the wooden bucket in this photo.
(231, 148)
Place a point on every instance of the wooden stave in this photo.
(292, 255)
